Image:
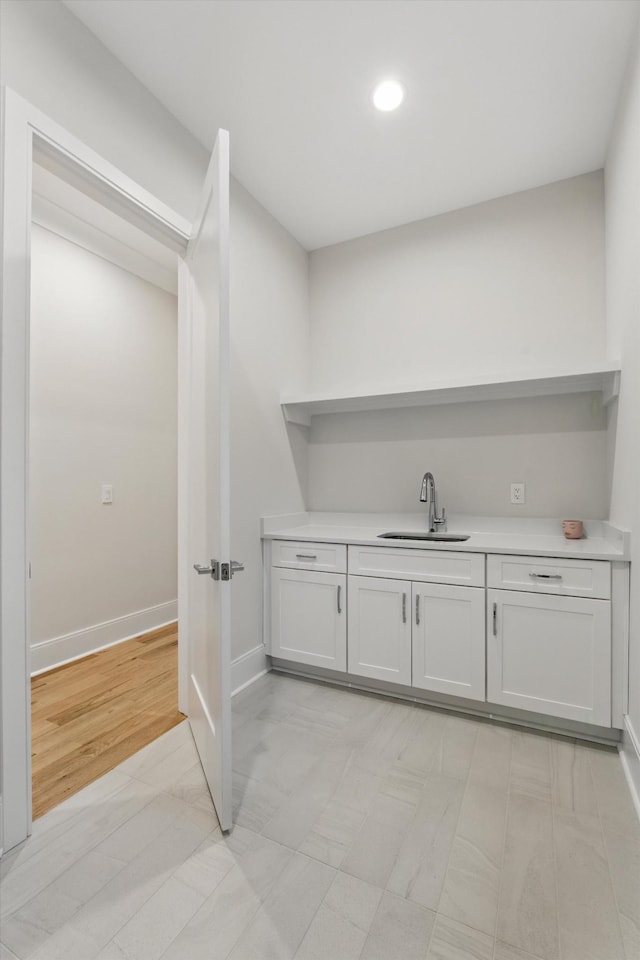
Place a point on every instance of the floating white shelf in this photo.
(603, 379)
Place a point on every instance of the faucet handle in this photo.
(440, 521)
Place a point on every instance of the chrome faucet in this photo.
(428, 495)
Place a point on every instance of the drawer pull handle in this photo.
(339, 604)
(404, 608)
(495, 619)
(417, 609)
(306, 556)
(546, 576)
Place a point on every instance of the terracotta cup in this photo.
(572, 529)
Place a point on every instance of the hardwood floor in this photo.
(90, 715)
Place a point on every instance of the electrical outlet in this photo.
(517, 493)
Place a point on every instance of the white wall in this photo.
(103, 409)
(511, 284)
(375, 461)
(269, 356)
(623, 312)
(54, 62)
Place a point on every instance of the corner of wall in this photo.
(630, 758)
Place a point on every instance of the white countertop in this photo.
(533, 537)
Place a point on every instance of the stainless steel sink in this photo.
(408, 535)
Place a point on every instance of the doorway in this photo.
(102, 488)
(203, 479)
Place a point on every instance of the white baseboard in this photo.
(630, 758)
(247, 668)
(60, 650)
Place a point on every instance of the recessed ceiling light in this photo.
(388, 95)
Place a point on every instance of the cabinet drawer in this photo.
(430, 566)
(301, 555)
(576, 578)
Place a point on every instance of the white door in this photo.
(380, 629)
(204, 295)
(448, 639)
(550, 654)
(308, 618)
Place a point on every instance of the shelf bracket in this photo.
(611, 389)
(293, 413)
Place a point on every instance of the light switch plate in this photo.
(107, 493)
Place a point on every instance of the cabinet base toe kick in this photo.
(492, 712)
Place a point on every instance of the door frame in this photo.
(26, 133)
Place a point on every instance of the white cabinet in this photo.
(537, 639)
(423, 634)
(564, 577)
(308, 617)
(449, 639)
(550, 654)
(549, 636)
(380, 629)
(305, 555)
(431, 566)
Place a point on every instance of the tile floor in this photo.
(365, 829)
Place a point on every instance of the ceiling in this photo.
(502, 95)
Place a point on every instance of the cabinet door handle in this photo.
(306, 556)
(404, 608)
(417, 609)
(546, 576)
(495, 619)
(339, 604)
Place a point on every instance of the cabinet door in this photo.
(448, 639)
(380, 629)
(308, 617)
(550, 654)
